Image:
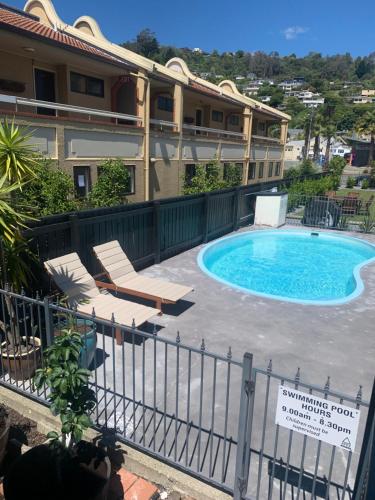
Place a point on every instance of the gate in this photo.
(209, 415)
(275, 462)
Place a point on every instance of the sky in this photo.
(288, 26)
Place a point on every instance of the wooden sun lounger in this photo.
(73, 279)
(125, 279)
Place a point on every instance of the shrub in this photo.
(313, 187)
(350, 182)
(205, 179)
(336, 165)
(112, 186)
(51, 191)
(233, 175)
(365, 184)
(305, 168)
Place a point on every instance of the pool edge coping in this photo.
(337, 302)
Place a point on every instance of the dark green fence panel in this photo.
(221, 213)
(181, 225)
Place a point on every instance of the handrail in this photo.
(214, 131)
(17, 101)
(163, 123)
(264, 137)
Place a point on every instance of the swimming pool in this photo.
(296, 266)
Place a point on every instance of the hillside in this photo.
(340, 77)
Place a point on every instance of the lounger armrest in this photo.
(103, 284)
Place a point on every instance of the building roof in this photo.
(30, 25)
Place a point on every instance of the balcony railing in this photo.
(213, 132)
(162, 124)
(266, 138)
(68, 108)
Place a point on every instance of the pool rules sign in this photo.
(318, 418)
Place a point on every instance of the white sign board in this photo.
(318, 418)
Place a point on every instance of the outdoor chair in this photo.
(365, 207)
(73, 279)
(124, 279)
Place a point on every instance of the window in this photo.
(278, 168)
(252, 170)
(289, 148)
(261, 168)
(86, 85)
(234, 120)
(217, 116)
(165, 103)
(189, 173)
(131, 170)
(82, 181)
(270, 169)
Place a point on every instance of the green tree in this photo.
(205, 179)
(112, 186)
(366, 126)
(232, 175)
(51, 191)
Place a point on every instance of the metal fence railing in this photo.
(209, 415)
(349, 212)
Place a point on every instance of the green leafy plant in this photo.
(70, 396)
(206, 179)
(112, 186)
(350, 182)
(18, 157)
(368, 224)
(365, 184)
(232, 175)
(51, 191)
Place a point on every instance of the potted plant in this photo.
(86, 328)
(71, 398)
(20, 351)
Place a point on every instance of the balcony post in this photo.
(247, 130)
(143, 92)
(178, 118)
(283, 140)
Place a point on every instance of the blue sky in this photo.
(326, 26)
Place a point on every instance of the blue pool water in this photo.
(297, 266)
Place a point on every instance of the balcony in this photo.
(213, 132)
(108, 135)
(60, 111)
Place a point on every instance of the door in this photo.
(45, 89)
(82, 181)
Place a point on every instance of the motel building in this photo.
(86, 100)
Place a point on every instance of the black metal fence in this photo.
(207, 414)
(152, 231)
(349, 213)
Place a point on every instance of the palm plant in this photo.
(329, 132)
(18, 159)
(366, 126)
(17, 165)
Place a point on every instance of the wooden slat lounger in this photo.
(73, 279)
(125, 279)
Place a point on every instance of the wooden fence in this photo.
(151, 231)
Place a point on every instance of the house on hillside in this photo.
(86, 100)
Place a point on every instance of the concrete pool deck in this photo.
(336, 341)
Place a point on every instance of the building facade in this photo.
(86, 100)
